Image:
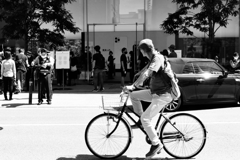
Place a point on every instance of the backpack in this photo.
(175, 91)
(101, 62)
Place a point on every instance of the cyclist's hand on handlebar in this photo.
(127, 89)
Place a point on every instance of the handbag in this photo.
(73, 68)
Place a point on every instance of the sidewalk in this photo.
(86, 87)
(79, 95)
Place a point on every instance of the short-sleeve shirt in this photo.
(158, 83)
(123, 59)
(97, 57)
(21, 62)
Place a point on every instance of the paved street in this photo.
(56, 132)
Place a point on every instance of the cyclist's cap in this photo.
(146, 44)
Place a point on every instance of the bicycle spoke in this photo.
(101, 143)
(186, 143)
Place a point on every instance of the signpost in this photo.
(63, 61)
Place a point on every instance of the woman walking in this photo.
(8, 72)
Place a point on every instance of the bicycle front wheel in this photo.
(100, 143)
(183, 136)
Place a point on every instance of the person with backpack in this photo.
(159, 93)
(98, 68)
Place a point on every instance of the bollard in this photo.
(30, 92)
(30, 86)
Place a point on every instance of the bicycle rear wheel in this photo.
(189, 142)
(97, 140)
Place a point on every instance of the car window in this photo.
(188, 69)
(210, 67)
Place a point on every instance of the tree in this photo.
(24, 19)
(213, 15)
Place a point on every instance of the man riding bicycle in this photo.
(158, 94)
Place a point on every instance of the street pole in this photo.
(30, 86)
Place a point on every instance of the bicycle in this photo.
(109, 135)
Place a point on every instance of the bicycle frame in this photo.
(157, 126)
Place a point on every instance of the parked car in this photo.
(204, 81)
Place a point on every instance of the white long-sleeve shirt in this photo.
(8, 68)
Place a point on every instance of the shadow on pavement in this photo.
(91, 157)
(15, 105)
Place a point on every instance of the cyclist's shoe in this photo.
(155, 149)
(135, 126)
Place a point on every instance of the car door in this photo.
(211, 84)
(187, 82)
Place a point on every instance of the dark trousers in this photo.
(21, 76)
(44, 84)
(98, 78)
(8, 86)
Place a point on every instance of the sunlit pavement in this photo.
(56, 131)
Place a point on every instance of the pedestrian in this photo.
(29, 70)
(44, 64)
(8, 74)
(86, 59)
(172, 53)
(98, 68)
(234, 62)
(21, 61)
(73, 72)
(1, 83)
(110, 65)
(158, 94)
(123, 62)
(131, 66)
(164, 52)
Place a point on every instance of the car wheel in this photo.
(174, 105)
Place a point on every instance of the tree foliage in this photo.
(24, 19)
(213, 15)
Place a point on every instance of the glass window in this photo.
(188, 69)
(210, 67)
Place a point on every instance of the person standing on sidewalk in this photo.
(21, 65)
(172, 53)
(158, 94)
(44, 64)
(123, 62)
(110, 65)
(98, 68)
(8, 74)
(1, 83)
